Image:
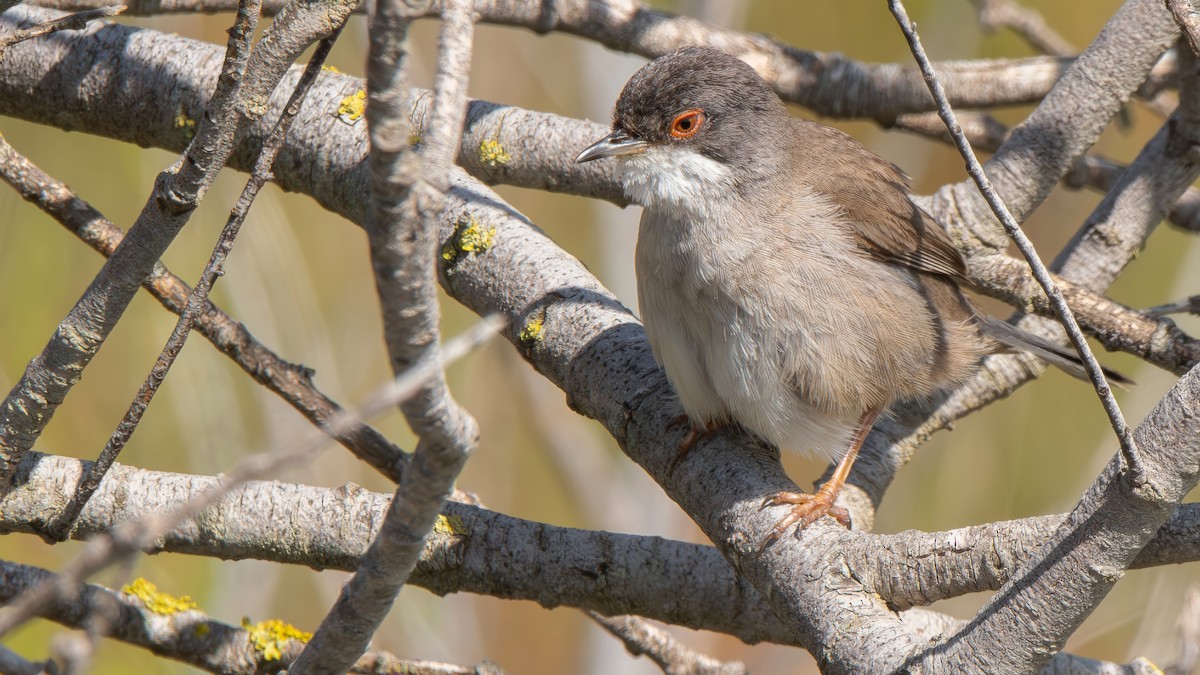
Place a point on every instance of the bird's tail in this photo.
(1064, 358)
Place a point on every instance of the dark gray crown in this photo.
(738, 105)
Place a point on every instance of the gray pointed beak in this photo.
(617, 144)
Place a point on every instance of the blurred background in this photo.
(300, 279)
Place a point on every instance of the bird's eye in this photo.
(687, 123)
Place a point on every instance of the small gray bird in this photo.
(787, 282)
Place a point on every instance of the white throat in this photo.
(673, 178)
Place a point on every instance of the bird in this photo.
(787, 282)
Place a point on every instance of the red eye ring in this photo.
(687, 123)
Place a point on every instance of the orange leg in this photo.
(806, 508)
(695, 433)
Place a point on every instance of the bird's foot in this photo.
(806, 510)
(695, 433)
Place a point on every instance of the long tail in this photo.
(1065, 359)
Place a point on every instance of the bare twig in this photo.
(198, 298)
(76, 21)
(1136, 475)
(1026, 22)
(403, 223)
(131, 536)
(1189, 305)
(240, 99)
(673, 657)
(35, 397)
(1091, 171)
(290, 381)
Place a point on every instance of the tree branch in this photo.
(77, 21)
(240, 96)
(198, 297)
(642, 639)
(291, 382)
(1024, 170)
(188, 635)
(484, 552)
(406, 200)
(827, 83)
(35, 397)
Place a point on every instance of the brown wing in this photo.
(885, 222)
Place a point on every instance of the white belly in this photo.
(726, 360)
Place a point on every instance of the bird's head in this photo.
(693, 123)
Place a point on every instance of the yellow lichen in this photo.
(332, 69)
(157, 601)
(271, 636)
(470, 237)
(534, 330)
(351, 109)
(185, 124)
(476, 239)
(493, 154)
(449, 525)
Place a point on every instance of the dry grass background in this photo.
(300, 279)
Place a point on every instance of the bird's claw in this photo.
(806, 510)
(695, 433)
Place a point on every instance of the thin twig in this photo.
(292, 382)
(1026, 22)
(1133, 464)
(15, 664)
(198, 299)
(129, 537)
(239, 101)
(672, 656)
(1189, 305)
(405, 211)
(76, 21)
(51, 375)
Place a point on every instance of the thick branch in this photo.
(480, 551)
(476, 551)
(1089, 553)
(187, 636)
(828, 83)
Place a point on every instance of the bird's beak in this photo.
(617, 144)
